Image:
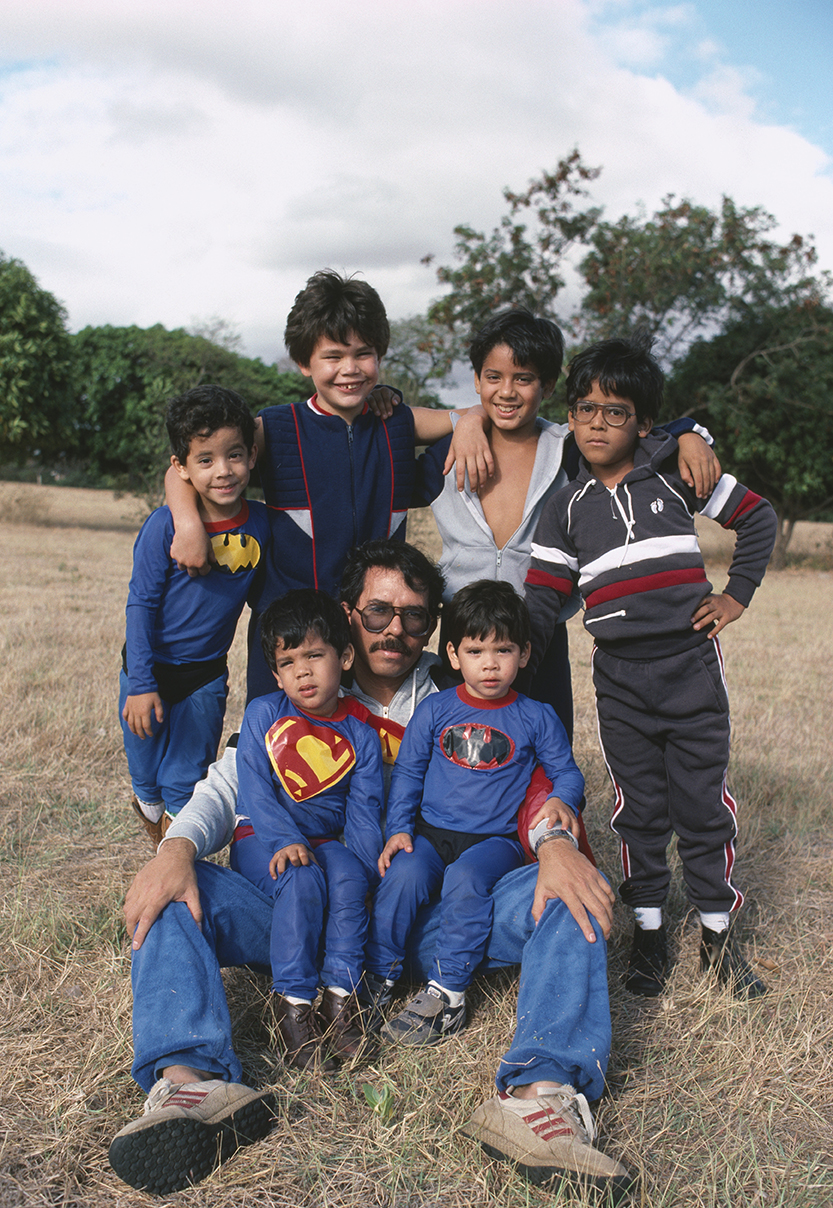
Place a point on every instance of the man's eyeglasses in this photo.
(376, 617)
(612, 414)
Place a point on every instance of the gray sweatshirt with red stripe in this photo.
(633, 551)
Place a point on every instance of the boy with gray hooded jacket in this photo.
(624, 533)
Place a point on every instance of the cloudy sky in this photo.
(168, 160)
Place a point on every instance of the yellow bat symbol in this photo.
(235, 551)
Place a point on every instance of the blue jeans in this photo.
(167, 766)
(180, 1015)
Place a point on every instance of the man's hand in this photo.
(191, 549)
(565, 874)
(470, 450)
(718, 610)
(698, 464)
(398, 842)
(557, 813)
(295, 854)
(139, 712)
(168, 877)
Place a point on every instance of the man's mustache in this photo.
(391, 643)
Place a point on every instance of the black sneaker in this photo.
(718, 953)
(648, 963)
(375, 995)
(427, 1019)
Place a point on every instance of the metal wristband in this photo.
(557, 832)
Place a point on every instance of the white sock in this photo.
(456, 998)
(717, 921)
(338, 990)
(298, 1002)
(648, 918)
(152, 810)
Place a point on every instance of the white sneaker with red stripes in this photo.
(186, 1130)
(550, 1136)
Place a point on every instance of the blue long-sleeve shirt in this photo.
(171, 618)
(465, 763)
(304, 778)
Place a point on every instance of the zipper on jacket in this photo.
(351, 452)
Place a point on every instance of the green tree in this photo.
(123, 377)
(524, 260)
(420, 356)
(764, 387)
(35, 385)
(688, 268)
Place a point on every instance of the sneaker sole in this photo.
(177, 1153)
(616, 1187)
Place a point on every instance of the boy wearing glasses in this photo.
(624, 532)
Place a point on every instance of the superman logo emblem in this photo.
(235, 551)
(308, 758)
(473, 745)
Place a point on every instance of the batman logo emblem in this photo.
(308, 758)
(475, 746)
(235, 551)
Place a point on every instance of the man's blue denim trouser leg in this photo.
(180, 1013)
(563, 1031)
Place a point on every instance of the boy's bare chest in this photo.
(504, 496)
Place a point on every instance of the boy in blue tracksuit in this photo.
(458, 783)
(334, 474)
(174, 678)
(310, 773)
(624, 532)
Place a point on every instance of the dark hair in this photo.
(204, 410)
(484, 607)
(536, 342)
(623, 367)
(290, 618)
(335, 307)
(419, 572)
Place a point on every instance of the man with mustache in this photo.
(186, 918)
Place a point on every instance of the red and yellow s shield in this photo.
(308, 758)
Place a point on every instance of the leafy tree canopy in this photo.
(123, 378)
(681, 271)
(764, 387)
(35, 390)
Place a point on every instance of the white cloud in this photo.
(164, 159)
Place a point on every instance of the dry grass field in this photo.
(714, 1103)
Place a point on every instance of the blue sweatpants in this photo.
(466, 907)
(320, 918)
(167, 766)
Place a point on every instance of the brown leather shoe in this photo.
(299, 1031)
(340, 1020)
(155, 830)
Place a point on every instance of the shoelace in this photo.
(576, 1105)
(158, 1092)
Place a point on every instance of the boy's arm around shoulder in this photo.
(260, 798)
